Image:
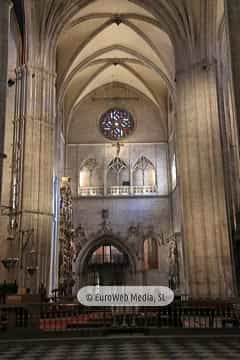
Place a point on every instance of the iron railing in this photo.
(56, 317)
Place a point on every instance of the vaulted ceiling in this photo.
(112, 41)
(133, 42)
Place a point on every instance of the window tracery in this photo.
(116, 124)
(117, 165)
(116, 170)
(89, 165)
(118, 177)
(144, 165)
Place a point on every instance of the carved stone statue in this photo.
(132, 233)
(173, 265)
(81, 232)
(152, 234)
(105, 226)
(135, 236)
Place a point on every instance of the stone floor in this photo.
(219, 348)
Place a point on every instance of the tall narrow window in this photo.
(144, 172)
(174, 172)
(86, 172)
(115, 168)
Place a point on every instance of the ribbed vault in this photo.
(109, 42)
(135, 42)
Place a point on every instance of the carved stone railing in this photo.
(144, 190)
(118, 191)
(91, 191)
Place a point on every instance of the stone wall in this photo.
(150, 124)
(143, 215)
(123, 213)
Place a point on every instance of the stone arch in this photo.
(105, 239)
(117, 170)
(147, 171)
(87, 171)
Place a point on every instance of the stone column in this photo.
(5, 6)
(233, 12)
(36, 208)
(206, 241)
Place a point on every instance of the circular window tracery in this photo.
(116, 124)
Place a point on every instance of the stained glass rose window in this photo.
(116, 124)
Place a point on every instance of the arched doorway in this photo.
(106, 261)
(107, 266)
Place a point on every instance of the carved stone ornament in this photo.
(80, 238)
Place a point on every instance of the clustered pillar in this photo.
(35, 219)
(207, 249)
(233, 11)
(5, 8)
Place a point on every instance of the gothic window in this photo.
(117, 165)
(144, 172)
(116, 171)
(116, 124)
(150, 254)
(86, 172)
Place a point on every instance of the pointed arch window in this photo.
(116, 168)
(86, 172)
(147, 170)
(117, 165)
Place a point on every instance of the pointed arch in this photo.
(144, 172)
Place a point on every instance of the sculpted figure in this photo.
(173, 265)
(135, 238)
(132, 233)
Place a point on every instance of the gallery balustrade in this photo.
(118, 191)
(91, 191)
